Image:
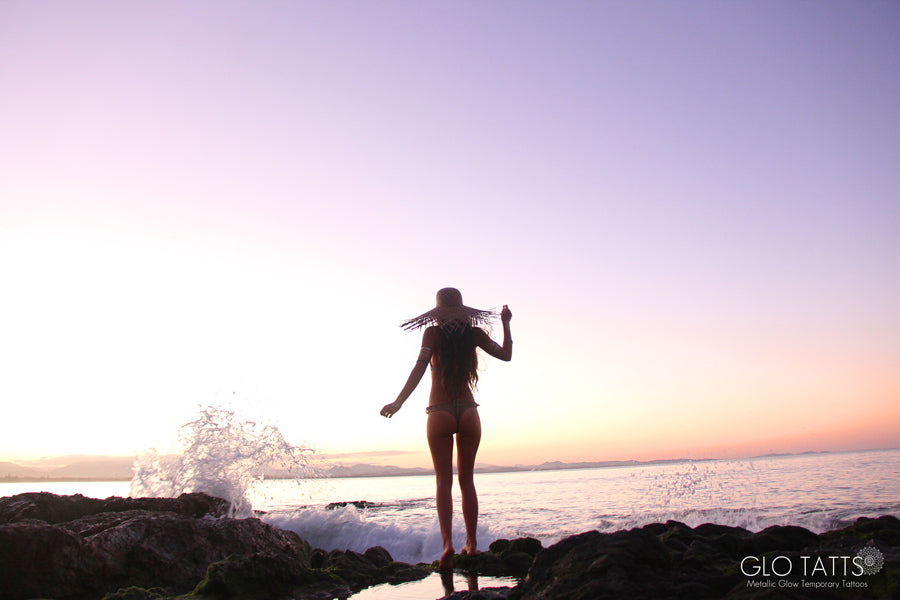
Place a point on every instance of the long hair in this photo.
(458, 360)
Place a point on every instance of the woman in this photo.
(448, 345)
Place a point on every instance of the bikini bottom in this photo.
(454, 407)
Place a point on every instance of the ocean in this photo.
(815, 491)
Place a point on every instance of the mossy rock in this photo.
(672, 531)
(884, 585)
(527, 545)
(258, 575)
(885, 529)
(510, 558)
(516, 563)
(352, 567)
(484, 563)
(782, 538)
(703, 553)
(375, 566)
(136, 593)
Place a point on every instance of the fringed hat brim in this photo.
(450, 318)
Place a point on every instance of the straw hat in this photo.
(450, 314)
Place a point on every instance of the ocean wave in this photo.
(222, 455)
(350, 528)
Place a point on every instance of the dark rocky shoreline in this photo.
(77, 548)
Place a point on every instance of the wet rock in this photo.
(504, 558)
(674, 561)
(50, 508)
(360, 504)
(317, 558)
(374, 567)
(76, 548)
(494, 593)
(136, 593)
(790, 538)
(267, 575)
(527, 545)
(104, 552)
(38, 560)
(263, 575)
(884, 529)
(62, 548)
(593, 565)
(378, 556)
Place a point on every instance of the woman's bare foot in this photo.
(469, 549)
(446, 563)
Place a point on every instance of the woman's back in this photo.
(454, 363)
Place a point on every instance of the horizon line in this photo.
(21, 462)
(482, 468)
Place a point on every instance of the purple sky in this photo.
(693, 210)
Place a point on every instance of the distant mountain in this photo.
(118, 468)
(361, 470)
(8, 470)
(365, 470)
(783, 454)
(111, 469)
(67, 468)
(558, 466)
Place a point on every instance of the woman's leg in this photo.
(467, 440)
(441, 426)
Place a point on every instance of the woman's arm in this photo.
(484, 341)
(415, 376)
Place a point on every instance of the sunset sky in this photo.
(691, 208)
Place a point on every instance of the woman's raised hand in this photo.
(389, 409)
(505, 314)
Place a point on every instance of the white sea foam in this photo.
(350, 528)
(222, 455)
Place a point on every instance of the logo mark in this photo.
(870, 560)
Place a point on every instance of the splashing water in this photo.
(221, 455)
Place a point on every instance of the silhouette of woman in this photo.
(448, 345)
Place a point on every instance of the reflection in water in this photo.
(447, 582)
